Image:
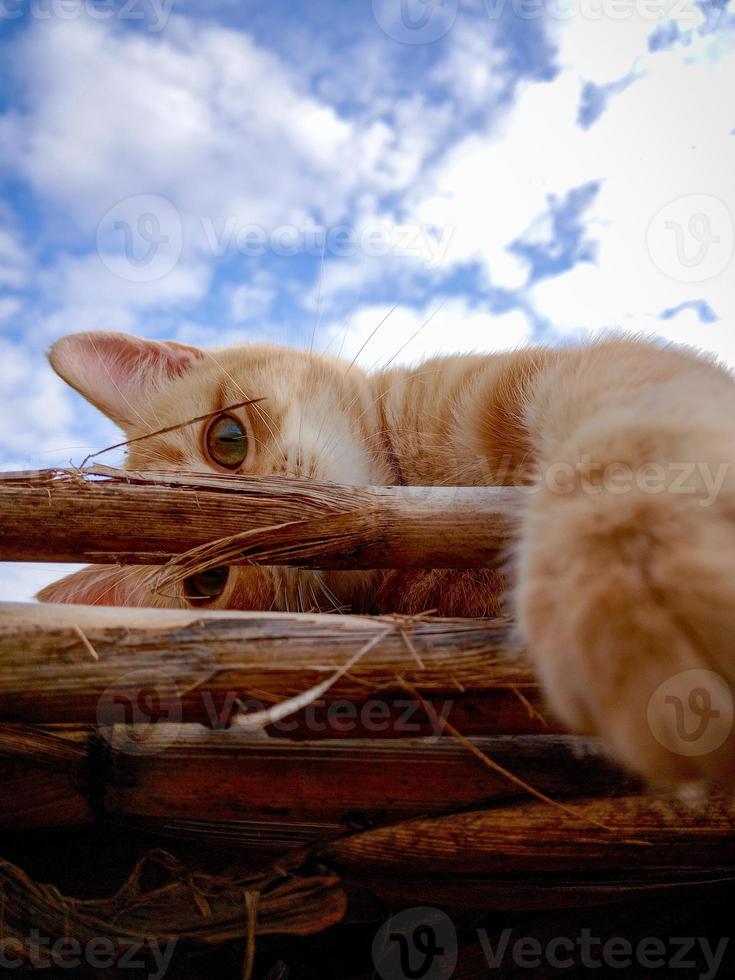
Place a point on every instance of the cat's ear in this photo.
(96, 585)
(117, 372)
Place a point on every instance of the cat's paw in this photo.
(627, 605)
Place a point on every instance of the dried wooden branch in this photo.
(45, 778)
(199, 664)
(644, 833)
(232, 778)
(239, 788)
(105, 515)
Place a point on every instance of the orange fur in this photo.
(614, 591)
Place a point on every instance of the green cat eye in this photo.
(227, 443)
(208, 585)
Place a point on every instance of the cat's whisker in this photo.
(348, 321)
(354, 359)
(262, 445)
(381, 395)
(166, 429)
(370, 337)
(414, 335)
(338, 607)
(314, 600)
(317, 321)
(239, 388)
(268, 419)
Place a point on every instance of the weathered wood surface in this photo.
(244, 788)
(107, 515)
(192, 774)
(194, 666)
(45, 778)
(533, 837)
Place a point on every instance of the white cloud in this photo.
(474, 68)
(604, 41)
(89, 296)
(253, 301)
(200, 114)
(14, 261)
(408, 335)
(9, 306)
(43, 418)
(202, 117)
(667, 136)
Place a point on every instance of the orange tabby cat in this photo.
(624, 563)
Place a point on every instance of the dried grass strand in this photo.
(496, 767)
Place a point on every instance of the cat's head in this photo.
(317, 420)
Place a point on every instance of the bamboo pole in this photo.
(234, 785)
(238, 788)
(641, 833)
(193, 666)
(45, 778)
(105, 515)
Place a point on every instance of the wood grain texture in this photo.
(107, 515)
(195, 665)
(642, 833)
(246, 789)
(231, 777)
(45, 778)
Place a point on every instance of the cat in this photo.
(622, 576)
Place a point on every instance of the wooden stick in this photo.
(106, 515)
(187, 665)
(45, 778)
(245, 789)
(531, 837)
(190, 777)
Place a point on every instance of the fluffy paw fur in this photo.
(626, 593)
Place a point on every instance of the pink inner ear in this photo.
(117, 372)
(159, 359)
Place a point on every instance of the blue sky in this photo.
(510, 171)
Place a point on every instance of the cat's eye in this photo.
(227, 443)
(206, 586)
